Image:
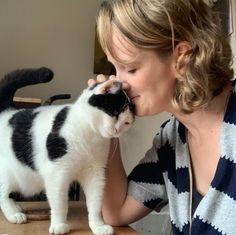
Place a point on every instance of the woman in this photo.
(172, 57)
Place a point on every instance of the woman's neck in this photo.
(206, 118)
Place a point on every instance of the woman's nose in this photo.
(126, 86)
(119, 76)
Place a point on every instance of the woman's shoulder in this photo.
(171, 131)
(171, 127)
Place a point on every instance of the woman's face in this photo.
(149, 80)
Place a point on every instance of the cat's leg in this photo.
(9, 208)
(93, 182)
(57, 193)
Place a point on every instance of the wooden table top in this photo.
(77, 219)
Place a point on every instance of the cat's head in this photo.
(114, 111)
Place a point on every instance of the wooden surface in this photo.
(25, 102)
(77, 219)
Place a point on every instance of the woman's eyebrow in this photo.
(122, 62)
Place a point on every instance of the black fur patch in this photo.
(21, 137)
(112, 104)
(56, 145)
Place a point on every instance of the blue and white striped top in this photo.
(163, 175)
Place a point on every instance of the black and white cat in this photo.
(48, 147)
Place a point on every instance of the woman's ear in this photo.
(182, 53)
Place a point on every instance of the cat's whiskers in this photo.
(127, 101)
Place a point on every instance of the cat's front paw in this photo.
(103, 230)
(17, 218)
(59, 228)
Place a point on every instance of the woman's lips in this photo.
(132, 102)
(133, 98)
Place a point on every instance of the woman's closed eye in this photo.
(132, 71)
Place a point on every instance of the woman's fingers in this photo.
(91, 82)
(102, 78)
(99, 78)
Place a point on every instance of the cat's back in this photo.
(37, 122)
(47, 115)
(48, 119)
(23, 137)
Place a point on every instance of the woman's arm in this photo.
(118, 207)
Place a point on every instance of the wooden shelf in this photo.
(27, 102)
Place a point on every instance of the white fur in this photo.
(87, 131)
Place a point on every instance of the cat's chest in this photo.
(88, 152)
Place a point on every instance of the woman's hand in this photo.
(102, 78)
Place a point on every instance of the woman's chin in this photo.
(139, 113)
(143, 113)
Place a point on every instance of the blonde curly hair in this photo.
(161, 25)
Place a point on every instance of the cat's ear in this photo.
(111, 87)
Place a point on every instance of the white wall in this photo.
(54, 33)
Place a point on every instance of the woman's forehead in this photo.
(121, 50)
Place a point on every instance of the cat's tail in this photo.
(18, 79)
